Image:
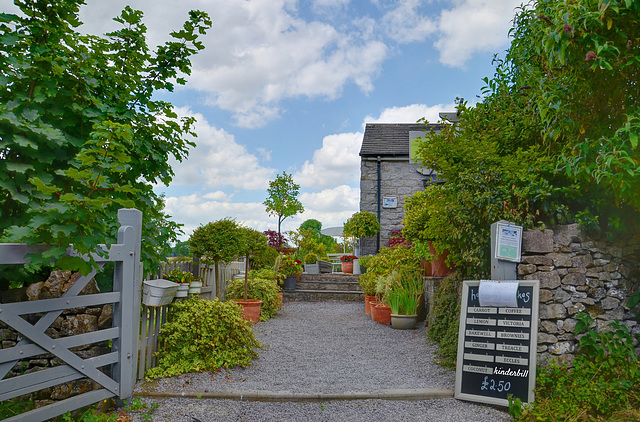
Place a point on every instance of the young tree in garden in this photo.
(253, 243)
(282, 200)
(81, 133)
(217, 242)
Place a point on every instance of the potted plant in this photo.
(361, 224)
(382, 309)
(183, 278)
(347, 263)
(368, 286)
(403, 295)
(311, 265)
(290, 269)
(260, 286)
(252, 242)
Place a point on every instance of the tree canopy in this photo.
(81, 133)
(282, 198)
(553, 140)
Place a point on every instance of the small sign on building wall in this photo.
(389, 202)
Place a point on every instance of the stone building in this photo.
(388, 175)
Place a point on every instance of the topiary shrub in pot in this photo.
(263, 289)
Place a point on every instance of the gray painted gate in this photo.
(123, 334)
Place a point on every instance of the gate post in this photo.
(129, 314)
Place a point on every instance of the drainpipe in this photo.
(379, 203)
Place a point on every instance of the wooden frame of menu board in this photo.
(497, 346)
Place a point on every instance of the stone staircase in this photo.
(324, 287)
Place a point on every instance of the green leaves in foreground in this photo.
(204, 335)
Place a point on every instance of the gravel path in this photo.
(322, 348)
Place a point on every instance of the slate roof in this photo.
(389, 139)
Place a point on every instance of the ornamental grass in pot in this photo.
(403, 294)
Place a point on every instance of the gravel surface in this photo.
(326, 348)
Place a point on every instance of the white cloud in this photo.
(410, 113)
(194, 210)
(337, 162)
(218, 160)
(332, 207)
(473, 26)
(404, 24)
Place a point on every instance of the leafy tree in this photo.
(282, 200)
(312, 224)
(361, 224)
(80, 132)
(181, 249)
(253, 242)
(554, 139)
(217, 242)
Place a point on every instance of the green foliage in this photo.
(404, 291)
(289, 267)
(16, 406)
(264, 289)
(384, 262)
(554, 139)
(309, 241)
(264, 258)
(282, 200)
(82, 133)
(204, 335)
(310, 258)
(216, 242)
(361, 224)
(445, 320)
(604, 383)
(178, 276)
(181, 249)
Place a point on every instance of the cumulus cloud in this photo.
(335, 163)
(218, 160)
(405, 24)
(410, 114)
(194, 210)
(473, 26)
(332, 206)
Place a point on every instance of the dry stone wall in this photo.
(578, 273)
(70, 322)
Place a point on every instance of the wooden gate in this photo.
(125, 299)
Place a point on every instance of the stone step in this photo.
(323, 295)
(328, 285)
(330, 277)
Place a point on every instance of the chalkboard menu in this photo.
(497, 345)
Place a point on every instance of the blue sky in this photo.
(287, 85)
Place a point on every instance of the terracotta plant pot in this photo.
(347, 267)
(367, 305)
(384, 314)
(438, 266)
(372, 308)
(250, 309)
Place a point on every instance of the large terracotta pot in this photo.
(367, 305)
(384, 314)
(438, 266)
(347, 267)
(250, 309)
(372, 307)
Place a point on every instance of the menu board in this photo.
(497, 346)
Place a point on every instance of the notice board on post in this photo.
(497, 342)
